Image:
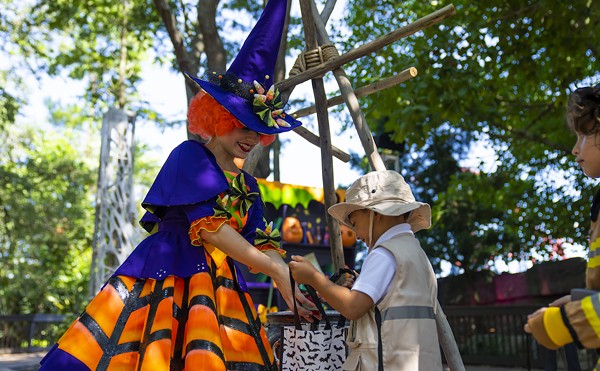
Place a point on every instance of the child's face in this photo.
(587, 154)
(359, 220)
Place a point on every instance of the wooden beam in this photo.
(314, 139)
(388, 82)
(360, 122)
(416, 26)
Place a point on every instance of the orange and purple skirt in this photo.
(202, 322)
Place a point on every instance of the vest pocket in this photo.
(353, 361)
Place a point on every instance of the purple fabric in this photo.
(169, 252)
(255, 61)
(190, 175)
(258, 54)
(59, 360)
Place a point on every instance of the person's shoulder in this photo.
(191, 145)
(190, 150)
(380, 252)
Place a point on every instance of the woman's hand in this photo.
(281, 277)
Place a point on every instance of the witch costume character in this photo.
(179, 301)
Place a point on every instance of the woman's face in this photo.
(238, 142)
(587, 154)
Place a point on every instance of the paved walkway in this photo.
(30, 362)
(20, 361)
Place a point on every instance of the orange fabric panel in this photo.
(203, 360)
(228, 303)
(201, 284)
(163, 318)
(105, 309)
(78, 334)
(202, 324)
(239, 346)
(148, 287)
(128, 281)
(178, 287)
(157, 356)
(134, 327)
(123, 362)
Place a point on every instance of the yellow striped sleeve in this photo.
(555, 327)
(591, 314)
(594, 254)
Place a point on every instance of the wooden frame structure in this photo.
(314, 68)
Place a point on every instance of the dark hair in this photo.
(583, 110)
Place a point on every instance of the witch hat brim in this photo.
(255, 64)
(242, 109)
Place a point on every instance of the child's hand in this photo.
(302, 270)
(560, 301)
(539, 312)
(349, 280)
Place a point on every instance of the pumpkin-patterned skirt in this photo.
(202, 322)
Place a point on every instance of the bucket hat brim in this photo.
(420, 216)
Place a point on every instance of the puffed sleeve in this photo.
(577, 321)
(257, 230)
(190, 176)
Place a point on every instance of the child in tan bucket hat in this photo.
(392, 303)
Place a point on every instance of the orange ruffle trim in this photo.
(271, 247)
(212, 224)
(208, 223)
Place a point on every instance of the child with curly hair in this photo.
(577, 319)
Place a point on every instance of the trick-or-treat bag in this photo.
(317, 347)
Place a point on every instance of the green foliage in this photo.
(102, 43)
(46, 223)
(497, 71)
(9, 107)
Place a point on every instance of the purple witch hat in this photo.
(246, 90)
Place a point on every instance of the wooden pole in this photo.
(445, 336)
(335, 237)
(364, 91)
(360, 123)
(447, 341)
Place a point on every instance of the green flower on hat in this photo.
(269, 106)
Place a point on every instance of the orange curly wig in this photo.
(208, 118)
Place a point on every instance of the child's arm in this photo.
(350, 303)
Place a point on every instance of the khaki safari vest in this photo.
(408, 330)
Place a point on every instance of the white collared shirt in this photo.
(379, 266)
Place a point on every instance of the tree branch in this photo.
(184, 62)
(216, 56)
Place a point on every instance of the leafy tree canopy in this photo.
(46, 223)
(499, 72)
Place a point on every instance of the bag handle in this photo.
(316, 301)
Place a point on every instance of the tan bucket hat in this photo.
(386, 193)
